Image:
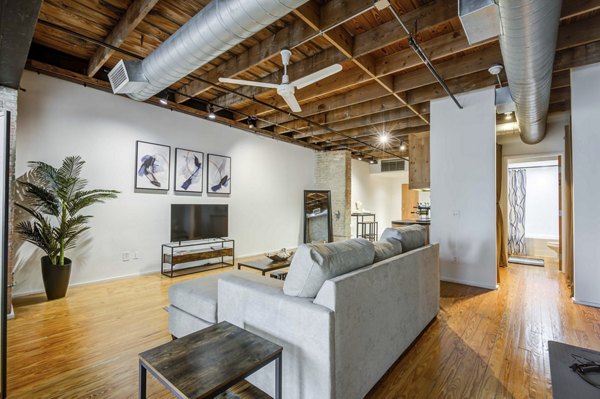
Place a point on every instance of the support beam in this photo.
(17, 24)
(136, 12)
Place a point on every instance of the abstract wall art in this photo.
(189, 166)
(152, 166)
(218, 174)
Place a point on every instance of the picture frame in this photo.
(189, 171)
(218, 174)
(152, 166)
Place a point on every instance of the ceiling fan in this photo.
(286, 88)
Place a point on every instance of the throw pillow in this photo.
(411, 237)
(387, 248)
(313, 264)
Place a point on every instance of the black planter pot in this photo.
(56, 278)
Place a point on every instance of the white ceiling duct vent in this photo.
(127, 77)
(479, 19)
(393, 165)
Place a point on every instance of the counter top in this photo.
(411, 221)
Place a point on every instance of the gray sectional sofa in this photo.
(341, 319)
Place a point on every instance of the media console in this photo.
(190, 254)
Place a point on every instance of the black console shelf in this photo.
(191, 252)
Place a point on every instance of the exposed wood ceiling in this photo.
(383, 88)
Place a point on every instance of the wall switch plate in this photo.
(125, 256)
(135, 255)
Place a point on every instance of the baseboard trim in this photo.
(102, 280)
(467, 282)
(586, 303)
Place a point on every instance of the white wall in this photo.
(514, 150)
(463, 152)
(57, 119)
(585, 106)
(380, 193)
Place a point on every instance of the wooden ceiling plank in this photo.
(257, 54)
(136, 12)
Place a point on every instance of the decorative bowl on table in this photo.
(280, 256)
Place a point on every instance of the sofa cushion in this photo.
(313, 264)
(387, 248)
(198, 297)
(411, 237)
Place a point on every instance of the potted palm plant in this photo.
(53, 199)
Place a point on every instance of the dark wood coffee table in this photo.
(209, 362)
(264, 265)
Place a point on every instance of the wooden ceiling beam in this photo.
(391, 117)
(270, 47)
(393, 128)
(569, 36)
(434, 14)
(136, 12)
(352, 112)
(572, 8)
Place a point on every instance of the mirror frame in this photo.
(329, 212)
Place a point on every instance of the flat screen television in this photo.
(198, 222)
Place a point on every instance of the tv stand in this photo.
(195, 256)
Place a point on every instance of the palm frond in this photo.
(41, 198)
(83, 199)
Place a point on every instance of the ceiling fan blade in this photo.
(292, 102)
(248, 83)
(316, 76)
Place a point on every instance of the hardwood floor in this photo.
(484, 344)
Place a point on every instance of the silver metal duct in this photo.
(214, 30)
(528, 31)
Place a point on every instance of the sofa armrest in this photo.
(303, 329)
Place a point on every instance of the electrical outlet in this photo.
(125, 256)
(135, 255)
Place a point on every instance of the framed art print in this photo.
(152, 166)
(218, 177)
(189, 167)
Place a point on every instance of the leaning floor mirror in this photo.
(317, 216)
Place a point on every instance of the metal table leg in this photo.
(142, 381)
(278, 377)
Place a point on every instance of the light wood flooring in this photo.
(484, 344)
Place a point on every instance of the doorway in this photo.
(533, 221)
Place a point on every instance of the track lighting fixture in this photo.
(252, 122)
(507, 116)
(360, 158)
(211, 112)
(403, 146)
(164, 98)
(372, 161)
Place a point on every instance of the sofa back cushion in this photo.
(411, 237)
(313, 264)
(387, 248)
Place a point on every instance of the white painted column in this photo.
(585, 106)
(463, 187)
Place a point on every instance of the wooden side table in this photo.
(209, 362)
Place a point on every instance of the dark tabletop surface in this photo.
(202, 363)
(411, 221)
(566, 384)
(265, 264)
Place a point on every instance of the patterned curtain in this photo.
(516, 213)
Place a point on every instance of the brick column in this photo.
(8, 102)
(333, 173)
